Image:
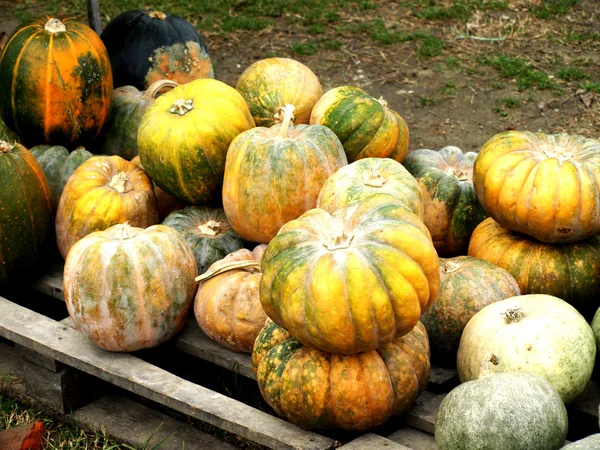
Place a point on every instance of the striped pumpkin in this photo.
(56, 82)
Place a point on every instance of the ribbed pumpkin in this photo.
(350, 281)
(207, 231)
(546, 186)
(103, 191)
(273, 175)
(56, 82)
(59, 164)
(540, 334)
(26, 220)
(365, 125)
(370, 176)
(119, 136)
(147, 45)
(271, 83)
(316, 389)
(451, 208)
(570, 272)
(227, 304)
(138, 297)
(6, 134)
(467, 285)
(184, 136)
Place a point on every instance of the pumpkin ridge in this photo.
(534, 169)
(39, 176)
(14, 78)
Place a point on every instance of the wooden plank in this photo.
(94, 16)
(423, 412)
(370, 441)
(414, 439)
(67, 345)
(38, 359)
(51, 283)
(442, 379)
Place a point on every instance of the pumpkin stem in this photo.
(374, 178)
(382, 101)
(450, 266)
(337, 241)
(287, 111)
(210, 228)
(182, 106)
(54, 26)
(251, 266)
(557, 152)
(5, 147)
(460, 174)
(156, 87)
(124, 231)
(157, 15)
(120, 184)
(513, 315)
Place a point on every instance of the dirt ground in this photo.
(452, 98)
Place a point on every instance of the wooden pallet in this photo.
(61, 368)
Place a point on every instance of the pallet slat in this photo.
(414, 439)
(370, 441)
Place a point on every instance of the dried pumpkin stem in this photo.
(557, 152)
(460, 174)
(288, 118)
(450, 266)
(338, 241)
(120, 183)
(157, 86)
(513, 315)
(5, 147)
(124, 231)
(157, 15)
(54, 26)
(374, 178)
(182, 106)
(251, 266)
(382, 101)
(210, 228)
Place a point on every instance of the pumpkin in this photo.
(591, 442)
(316, 389)
(540, 334)
(546, 186)
(56, 81)
(59, 164)
(145, 46)
(6, 134)
(26, 220)
(350, 281)
(207, 231)
(269, 84)
(273, 175)
(138, 297)
(507, 411)
(596, 327)
(366, 126)
(370, 176)
(467, 285)
(451, 208)
(570, 272)
(227, 304)
(103, 191)
(119, 136)
(184, 136)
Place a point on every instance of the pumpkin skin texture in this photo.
(227, 304)
(546, 186)
(6, 134)
(370, 176)
(210, 236)
(183, 150)
(350, 281)
(316, 389)
(467, 285)
(103, 191)
(26, 216)
(451, 208)
(592, 442)
(59, 164)
(570, 272)
(507, 411)
(146, 46)
(56, 81)
(365, 126)
(138, 297)
(540, 334)
(596, 328)
(271, 83)
(273, 175)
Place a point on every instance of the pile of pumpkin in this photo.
(295, 209)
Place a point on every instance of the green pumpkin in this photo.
(207, 231)
(591, 442)
(59, 165)
(508, 411)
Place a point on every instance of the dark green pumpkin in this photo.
(207, 231)
(6, 134)
(451, 208)
(26, 220)
(59, 165)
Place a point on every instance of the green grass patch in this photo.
(303, 48)
(548, 9)
(570, 73)
(581, 38)
(460, 9)
(453, 63)
(590, 86)
(244, 23)
(506, 102)
(428, 44)
(332, 45)
(428, 101)
(521, 71)
(449, 89)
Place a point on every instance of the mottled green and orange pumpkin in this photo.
(102, 192)
(316, 389)
(273, 175)
(184, 136)
(451, 208)
(138, 297)
(370, 176)
(271, 83)
(350, 281)
(56, 82)
(227, 304)
(365, 125)
(26, 218)
(546, 186)
(467, 285)
(148, 45)
(569, 271)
